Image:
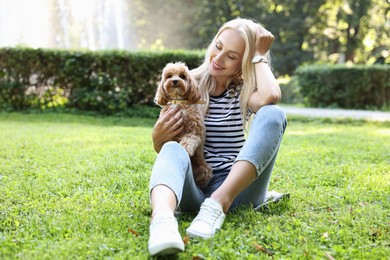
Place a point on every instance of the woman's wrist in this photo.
(259, 59)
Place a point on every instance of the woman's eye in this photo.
(218, 46)
(232, 58)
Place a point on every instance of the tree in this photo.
(351, 31)
(306, 31)
(290, 21)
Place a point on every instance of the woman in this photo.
(235, 81)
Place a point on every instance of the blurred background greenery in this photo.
(307, 33)
(315, 31)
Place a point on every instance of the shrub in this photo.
(102, 81)
(353, 87)
(290, 91)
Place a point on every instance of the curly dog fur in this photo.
(178, 87)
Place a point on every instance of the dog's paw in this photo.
(203, 175)
(190, 144)
(190, 149)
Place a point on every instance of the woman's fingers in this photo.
(173, 117)
(177, 128)
(170, 123)
(167, 114)
(262, 32)
(264, 40)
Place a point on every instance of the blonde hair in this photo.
(247, 30)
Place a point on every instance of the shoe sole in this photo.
(194, 234)
(167, 249)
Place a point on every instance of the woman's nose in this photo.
(218, 57)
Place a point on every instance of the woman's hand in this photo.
(268, 90)
(264, 40)
(169, 125)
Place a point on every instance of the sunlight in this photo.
(24, 23)
(69, 24)
(313, 131)
(383, 132)
(81, 9)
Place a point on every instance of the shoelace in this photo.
(208, 214)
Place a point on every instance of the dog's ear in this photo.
(161, 98)
(193, 90)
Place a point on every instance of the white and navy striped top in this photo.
(224, 130)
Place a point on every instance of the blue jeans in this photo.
(173, 167)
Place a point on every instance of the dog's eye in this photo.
(183, 77)
(169, 76)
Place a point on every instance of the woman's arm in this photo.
(268, 90)
(167, 127)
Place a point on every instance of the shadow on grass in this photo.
(139, 115)
(77, 118)
(166, 257)
(142, 116)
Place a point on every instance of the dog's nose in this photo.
(174, 82)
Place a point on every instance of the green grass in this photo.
(76, 187)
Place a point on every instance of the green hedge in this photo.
(352, 87)
(101, 81)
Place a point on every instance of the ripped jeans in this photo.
(173, 167)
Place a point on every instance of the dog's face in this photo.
(176, 83)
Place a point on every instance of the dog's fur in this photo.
(178, 87)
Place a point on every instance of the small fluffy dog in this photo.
(178, 88)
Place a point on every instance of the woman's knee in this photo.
(171, 145)
(274, 112)
(171, 166)
(174, 153)
(175, 148)
(273, 116)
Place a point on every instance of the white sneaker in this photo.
(164, 236)
(209, 219)
(272, 197)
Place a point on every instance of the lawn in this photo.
(76, 186)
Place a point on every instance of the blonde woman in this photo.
(236, 82)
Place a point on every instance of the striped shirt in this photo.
(224, 131)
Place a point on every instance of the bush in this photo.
(290, 91)
(353, 87)
(102, 81)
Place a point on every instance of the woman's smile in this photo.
(216, 66)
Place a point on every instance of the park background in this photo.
(107, 56)
(305, 31)
(77, 80)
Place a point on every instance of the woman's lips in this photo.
(216, 66)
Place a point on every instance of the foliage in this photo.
(102, 81)
(352, 31)
(290, 89)
(77, 187)
(357, 87)
(290, 22)
(306, 32)
(109, 82)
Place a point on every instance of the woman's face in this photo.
(226, 55)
